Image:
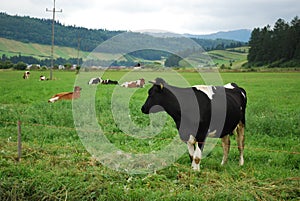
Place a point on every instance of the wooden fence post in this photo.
(19, 141)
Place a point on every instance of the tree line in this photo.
(277, 47)
(34, 30)
(20, 62)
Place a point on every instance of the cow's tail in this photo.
(243, 105)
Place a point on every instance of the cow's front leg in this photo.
(191, 146)
(194, 152)
(196, 158)
(191, 149)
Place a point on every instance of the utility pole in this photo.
(52, 46)
(78, 50)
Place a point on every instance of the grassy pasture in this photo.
(56, 166)
(225, 56)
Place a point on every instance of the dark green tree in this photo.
(279, 46)
(173, 61)
(20, 66)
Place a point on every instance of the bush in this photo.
(6, 64)
(20, 66)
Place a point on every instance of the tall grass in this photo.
(56, 166)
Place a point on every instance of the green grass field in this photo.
(237, 59)
(56, 166)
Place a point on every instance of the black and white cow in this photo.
(96, 80)
(201, 111)
(26, 75)
(99, 80)
(42, 78)
(108, 81)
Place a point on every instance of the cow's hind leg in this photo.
(240, 141)
(226, 147)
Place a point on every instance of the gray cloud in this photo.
(189, 16)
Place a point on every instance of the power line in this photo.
(52, 46)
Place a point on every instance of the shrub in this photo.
(20, 66)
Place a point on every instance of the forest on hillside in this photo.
(277, 47)
(34, 30)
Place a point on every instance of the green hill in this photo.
(34, 36)
(34, 30)
(13, 48)
(236, 56)
(233, 58)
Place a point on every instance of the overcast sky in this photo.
(179, 16)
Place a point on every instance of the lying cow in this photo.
(108, 81)
(96, 80)
(26, 74)
(66, 95)
(192, 108)
(134, 84)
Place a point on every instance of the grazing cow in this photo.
(96, 80)
(66, 95)
(134, 84)
(108, 81)
(193, 110)
(26, 74)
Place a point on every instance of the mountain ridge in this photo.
(242, 35)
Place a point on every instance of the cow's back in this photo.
(226, 109)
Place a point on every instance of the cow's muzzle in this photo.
(152, 109)
(144, 110)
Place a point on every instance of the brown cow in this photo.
(66, 95)
(134, 84)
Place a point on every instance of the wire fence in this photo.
(20, 124)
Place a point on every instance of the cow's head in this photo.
(77, 89)
(156, 97)
(142, 82)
